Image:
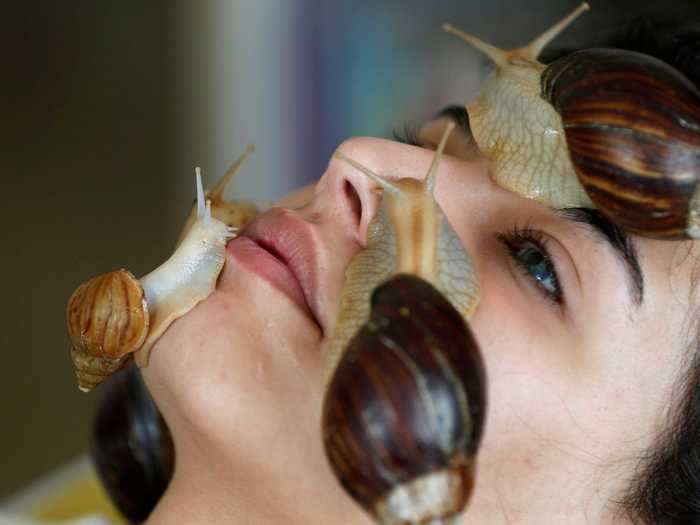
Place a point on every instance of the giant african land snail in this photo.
(627, 124)
(404, 409)
(114, 315)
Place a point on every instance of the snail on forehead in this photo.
(604, 128)
(114, 316)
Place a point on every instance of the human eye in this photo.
(528, 250)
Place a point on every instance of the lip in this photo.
(281, 249)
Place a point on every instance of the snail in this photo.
(115, 315)
(404, 413)
(609, 128)
(408, 234)
(405, 400)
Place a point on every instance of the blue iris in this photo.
(528, 250)
(538, 265)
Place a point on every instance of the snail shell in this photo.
(632, 126)
(107, 319)
(132, 448)
(404, 412)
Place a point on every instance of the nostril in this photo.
(354, 202)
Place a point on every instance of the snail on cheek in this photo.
(115, 316)
(609, 128)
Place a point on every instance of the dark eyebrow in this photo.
(622, 244)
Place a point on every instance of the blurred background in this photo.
(107, 107)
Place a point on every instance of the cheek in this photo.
(236, 367)
(536, 420)
(559, 403)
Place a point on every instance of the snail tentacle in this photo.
(216, 194)
(534, 48)
(236, 214)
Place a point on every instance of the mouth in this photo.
(281, 249)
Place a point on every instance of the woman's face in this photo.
(581, 346)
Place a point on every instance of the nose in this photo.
(354, 195)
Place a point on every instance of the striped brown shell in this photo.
(107, 320)
(404, 411)
(632, 125)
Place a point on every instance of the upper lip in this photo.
(292, 240)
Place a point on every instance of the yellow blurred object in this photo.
(68, 493)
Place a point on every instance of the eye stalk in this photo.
(611, 129)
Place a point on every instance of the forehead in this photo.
(673, 265)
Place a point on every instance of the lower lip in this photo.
(262, 263)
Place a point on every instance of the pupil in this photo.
(532, 257)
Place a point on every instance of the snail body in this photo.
(409, 234)
(610, 129)
(404, 413)
(115, 316)
(187, 277)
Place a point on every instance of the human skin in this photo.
(577, 392)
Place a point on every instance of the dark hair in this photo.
(134, 451)
(666, 488)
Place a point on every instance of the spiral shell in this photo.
(132, 447)
(404, 412)
(107, 320)
(632, 125)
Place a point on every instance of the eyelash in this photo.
(408, 134)
(523, 237)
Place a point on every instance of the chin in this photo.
(236, 360)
